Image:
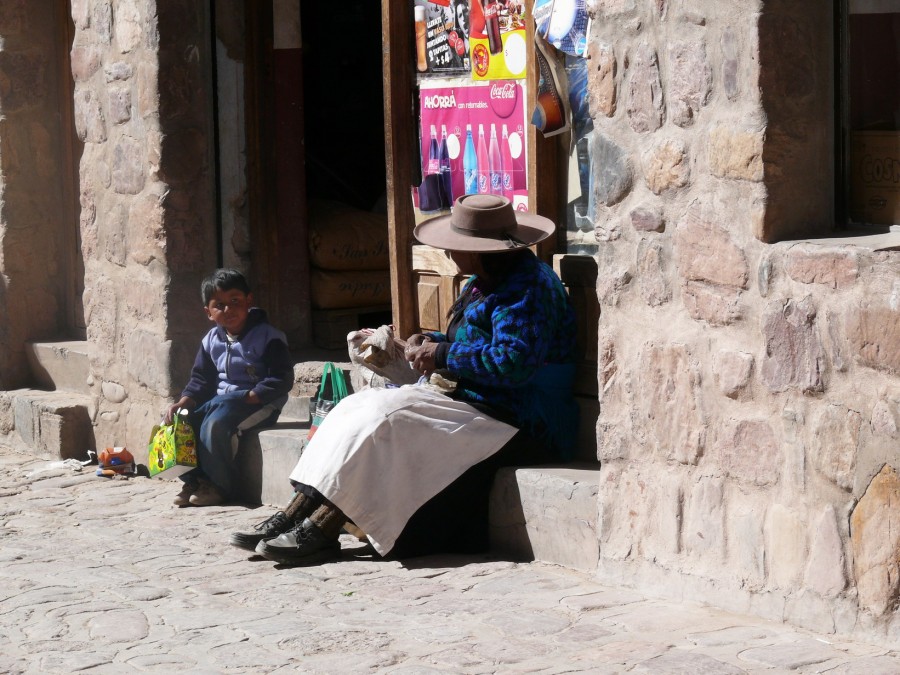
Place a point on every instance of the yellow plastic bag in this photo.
(172, 446)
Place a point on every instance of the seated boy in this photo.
(241, 378)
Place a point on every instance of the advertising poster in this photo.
(564, 24)
(473, 140)
(442, 37)
(497, 39)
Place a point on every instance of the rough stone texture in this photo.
(786, 545)
(128, 29)
(90, 124)
(836, 268)
(745, 515)
(730, 63)
(646, 109)
(715, 304)
(668, 403)
(651, 275)
(874, 336)
(749, 451)
(706, 252)
(119, 105)
(691, 79)
(602, 87)
(610, 170)
(736, 154)
(611, 284)
(875, 541)
(647, 220)
(704, 526)
(836, 444)
(666, 167)
(794, 357)
(826, 570)
(732, 371)
(128, 166)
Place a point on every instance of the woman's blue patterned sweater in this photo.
(514, 349)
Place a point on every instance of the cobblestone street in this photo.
(107, 576)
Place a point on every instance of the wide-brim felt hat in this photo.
(484, 223)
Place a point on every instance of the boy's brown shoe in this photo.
(207, 494)
(183, 498)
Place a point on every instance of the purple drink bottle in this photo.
(506, 158)
(434, 165)
(444, 164)
(484, 179)
(495, 163)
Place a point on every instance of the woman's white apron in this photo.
(382, 453)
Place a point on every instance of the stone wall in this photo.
(142, 110)
(750, 391)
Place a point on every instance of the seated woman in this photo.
(411, 466)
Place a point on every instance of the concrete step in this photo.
(547, 514)
(47, 424)
(266, 458)
(62, 365)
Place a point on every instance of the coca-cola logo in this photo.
(504, 98)
(438, 101)
(506, 90)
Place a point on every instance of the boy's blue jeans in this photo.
(216, 425)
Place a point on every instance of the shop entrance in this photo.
(300, 163)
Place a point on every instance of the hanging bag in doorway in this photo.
(332, 389)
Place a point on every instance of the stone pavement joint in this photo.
(108, 576)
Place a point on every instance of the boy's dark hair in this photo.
(225, 279)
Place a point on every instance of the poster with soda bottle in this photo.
(497, 39)
(442, 37)
(472, 140)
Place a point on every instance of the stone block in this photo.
(602, 87)
(826, 569)
(667, 404)
(128, 166)
(147, 360)
(119, 105)
(786, 546)
(744, 517)
(749, 451)
(690, 81)
(704, 522)
(652, 279)
(101, 20)
(85, 61)
(730, 62)
(717, 305)
(874, 336)
(886, 417)
(732, 371)
(836, 444)
(832, 267)
(705, 251)
(118, 71)
(61, 365)
(547, 514)
(666, 166)
(53, 425)
(611, 283)
(736, 154)
(127, 29)
(794, 357)
(875, 542)
(608, 8)
(645, 107)
(266, 458)
(90, 125)
(610, 170)
(647, 220)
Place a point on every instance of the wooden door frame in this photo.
(401, 149)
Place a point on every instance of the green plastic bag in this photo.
(172, 445)
(332, 389)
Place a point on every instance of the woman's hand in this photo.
(416, 339)
(422, 356)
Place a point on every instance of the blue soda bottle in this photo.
(470, 164)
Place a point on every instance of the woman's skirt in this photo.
(382, 453)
